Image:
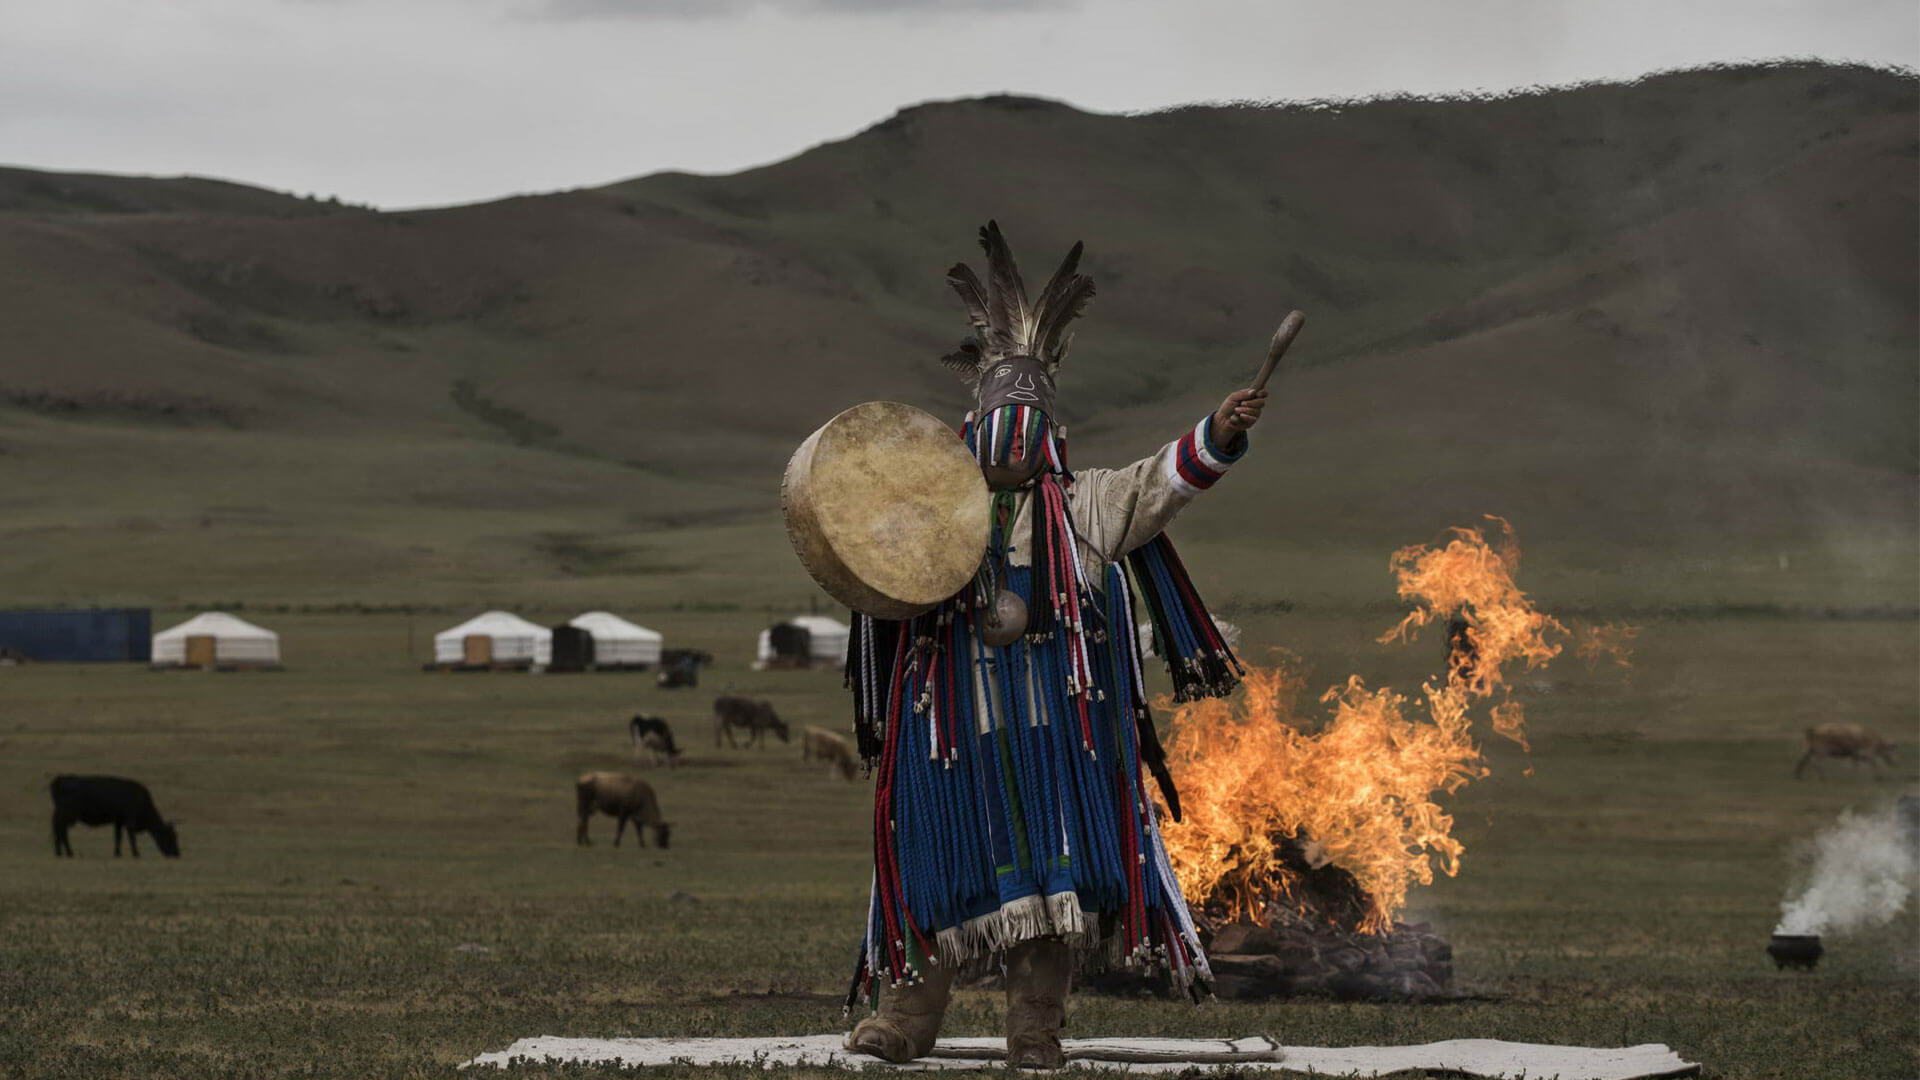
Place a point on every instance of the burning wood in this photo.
(1289, 956)
(1294, 827)
(1288, 953)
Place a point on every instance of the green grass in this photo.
(351, 823)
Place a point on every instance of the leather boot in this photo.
(909, 1018)
(1039, 974)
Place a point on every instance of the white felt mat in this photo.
(1488, 1058)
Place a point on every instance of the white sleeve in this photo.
(1117, 510)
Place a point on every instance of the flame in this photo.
(1359, 791)
(1469, 581)
(1510, 719)
(1608, 641)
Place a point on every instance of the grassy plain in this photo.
(379, 876)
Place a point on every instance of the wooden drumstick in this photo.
(1283, 337)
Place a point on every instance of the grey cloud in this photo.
(560, 10)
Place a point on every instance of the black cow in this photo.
(109, 800)
(654, 734)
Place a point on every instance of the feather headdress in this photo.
(1005, 323)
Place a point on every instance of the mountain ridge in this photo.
(1657, 317)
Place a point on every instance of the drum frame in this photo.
(831, 553)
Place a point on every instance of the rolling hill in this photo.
(1667, 327)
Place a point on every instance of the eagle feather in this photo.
(967, 284)
(1005, 322)
(966, 361)
(1006, 295)
(1061, 302)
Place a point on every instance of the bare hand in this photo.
(1238, 413)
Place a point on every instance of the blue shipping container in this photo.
(92, 635)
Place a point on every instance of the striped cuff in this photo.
(1195, 462)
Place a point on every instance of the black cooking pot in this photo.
(1795, 950)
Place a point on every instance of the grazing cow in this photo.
(109, 800)
(652, 733)
(756, 716)
(833, 749)
(625, 798)
(1845, 741)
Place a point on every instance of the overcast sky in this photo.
(417, 102)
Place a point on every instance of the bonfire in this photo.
(1301, 834)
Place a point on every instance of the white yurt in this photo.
(826, 640)
(216, 638)
(495, 637)
(619, 642)
(1228, 633)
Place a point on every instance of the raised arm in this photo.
(1117, 510)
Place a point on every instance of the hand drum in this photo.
(886, 509)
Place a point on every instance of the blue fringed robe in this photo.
(1007, 809)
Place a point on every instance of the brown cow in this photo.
(626, 798)
(833, 749)
(755, 715)
(1845, 741)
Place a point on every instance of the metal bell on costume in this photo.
(1006, 620)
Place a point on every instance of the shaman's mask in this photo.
(1017, 380)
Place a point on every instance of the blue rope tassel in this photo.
(1198, 658)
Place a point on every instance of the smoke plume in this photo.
(1862, 873)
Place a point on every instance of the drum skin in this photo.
(886, 509)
